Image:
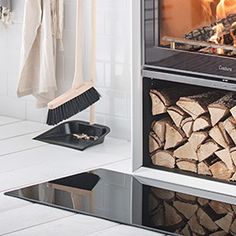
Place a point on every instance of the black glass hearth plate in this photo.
(136, 201)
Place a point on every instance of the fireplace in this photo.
(190, 36)
(188, 89)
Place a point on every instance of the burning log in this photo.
(174, 136)
(233, 33)
(220, 109)
(164, 158)
(206, 32)
(217, 38)
(196, 105)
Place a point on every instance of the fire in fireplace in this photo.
(178, 31)
(212, 31)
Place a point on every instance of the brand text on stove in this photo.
(225, 68)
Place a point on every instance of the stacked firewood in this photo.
(189, 215)
(198, 132)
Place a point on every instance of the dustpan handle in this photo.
(79, 41)
(93, 57)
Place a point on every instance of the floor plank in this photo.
(19, 144)
(28, 216)
(124, 166)
(20, 128)
(50, 162)
(78, 225)
(4, 120)
(123, 230)
(8, 203)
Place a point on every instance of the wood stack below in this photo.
(198, 133)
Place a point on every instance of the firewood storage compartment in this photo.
(189, 129)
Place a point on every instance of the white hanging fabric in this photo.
(42, 27)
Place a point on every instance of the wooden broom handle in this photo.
(93, 44)
(78, 76)
(79, 41)
(93, 58)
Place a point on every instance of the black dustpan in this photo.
(66, 134)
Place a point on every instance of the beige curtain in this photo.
(42, 27)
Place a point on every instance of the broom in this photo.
(81, 95)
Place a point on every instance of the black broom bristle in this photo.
(73, 106)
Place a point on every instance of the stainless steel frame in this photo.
(221, 84)
(137, 126)
(139, 72)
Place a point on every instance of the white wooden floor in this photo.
(24, 162)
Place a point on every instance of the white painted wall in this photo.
(113, 65)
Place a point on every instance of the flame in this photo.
(217, 38)
(207, 10)
(219, 29)
(225, 7)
